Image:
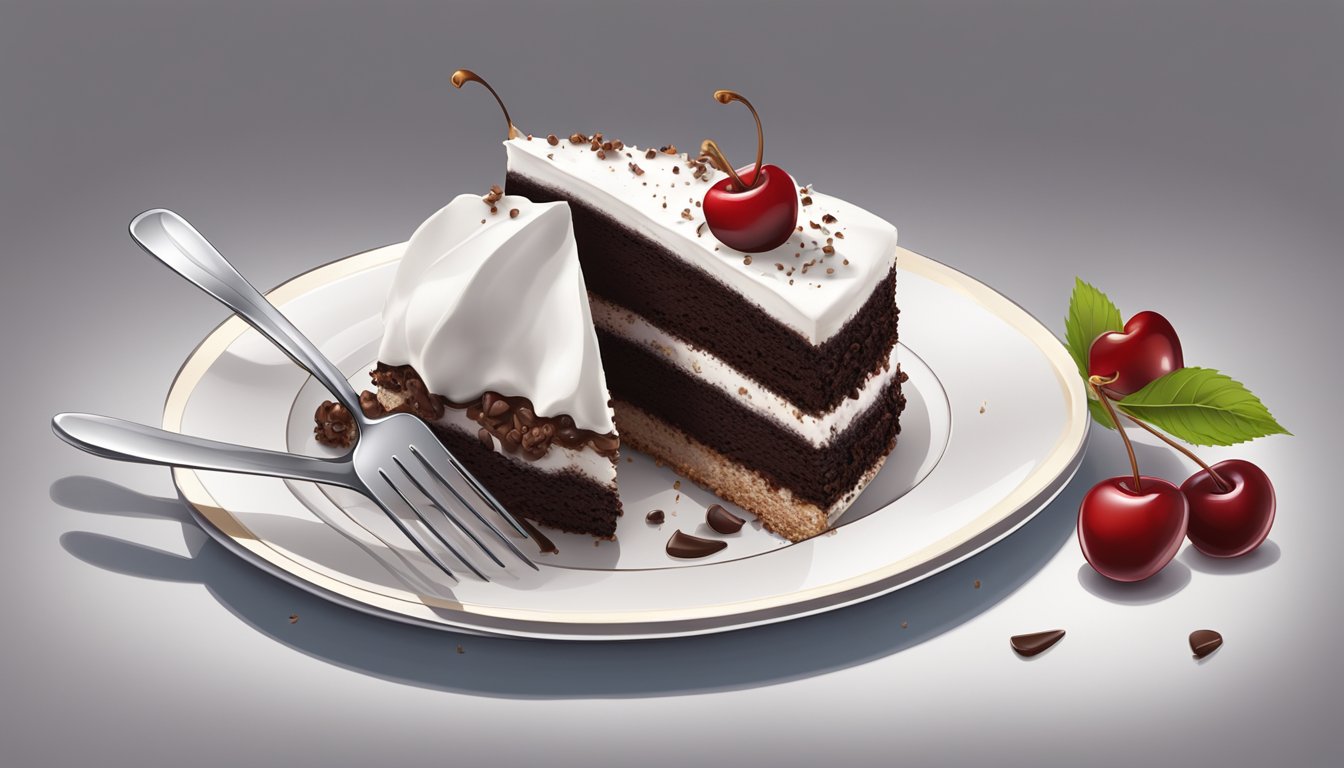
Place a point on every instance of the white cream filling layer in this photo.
(558, 459)
(818, 430)
(662, 202)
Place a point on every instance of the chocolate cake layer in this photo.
(707, 414)
(566, 500)
(631, 270)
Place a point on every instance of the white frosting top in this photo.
(665, 206)
(489, 302)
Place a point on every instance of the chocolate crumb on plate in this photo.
(335, 426)
(722, 520)
(1204, 641)
(1036, 642)
(656, 517)
(684, 545)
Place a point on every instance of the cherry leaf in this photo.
(1091, 314)
(1203, 407)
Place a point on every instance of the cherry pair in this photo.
(1131, 527)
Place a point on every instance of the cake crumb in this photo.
(676, 484)
(513, 213)
(551, 139)
(983, 403)
(741, 390)
(840, 235)
(905, 624)
(293, 618)
(830, 270)
(635, 169)
(977, 583)
(686, 214)
(746, 260)
(827, 218)
(577, 138)
(460, 649)
(650, 154)
(807, 200)
(827, 249)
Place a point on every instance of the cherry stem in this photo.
(1223, 485)
(464, 76)
(1097, 383)
(708, 147)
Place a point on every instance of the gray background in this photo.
(1184, 156)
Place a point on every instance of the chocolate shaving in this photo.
(670, 149)
(335, 425)
(828, 249)
(635, 169)
(686, 214)
(652, 153)
(827, 218)
(807, 200)
(551, 139)
(686, 546)
(577, 138)
(512, 420)
(1034, 643)
(1205, 641)
(493, 197)
(656, 517)
(722, 520)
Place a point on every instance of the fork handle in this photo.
(172, 240)
(128, 441)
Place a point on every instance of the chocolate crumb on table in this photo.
(1031, 644)
(1204, 642)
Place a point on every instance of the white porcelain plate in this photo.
(994, 427)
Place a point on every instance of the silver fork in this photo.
(394, 457)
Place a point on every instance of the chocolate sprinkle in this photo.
(686, 546)
(511, 420)
(656, 517)
(1204, 641)
(722, 520)
(1036, 642)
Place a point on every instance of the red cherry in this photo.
(1147, 350)
(1229, 522)
(1129, 535)
(756, 219)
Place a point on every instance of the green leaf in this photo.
(1203, 407)
(1099, 413)
(1091, 314)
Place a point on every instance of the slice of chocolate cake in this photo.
(488, 336)
(770, 377)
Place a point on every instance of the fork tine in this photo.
(430, 488)
(442, 540)
(480, 491)
(414, 537)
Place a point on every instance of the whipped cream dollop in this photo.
(814, 283)
(496, 302)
